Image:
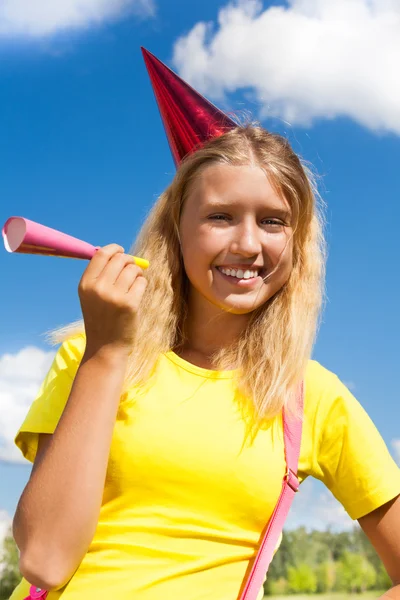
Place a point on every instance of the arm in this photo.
(58, 511)
(382, 526)
(392, 594)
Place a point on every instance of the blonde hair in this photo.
(276, 344)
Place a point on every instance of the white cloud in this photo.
(20, 377)
(396, 449)
(43, 18)
(315, 508)
(308, 60)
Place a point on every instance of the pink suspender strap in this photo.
(36, 593)
(292, 430)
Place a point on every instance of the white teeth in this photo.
(239, 273)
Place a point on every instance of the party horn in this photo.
(27, 237)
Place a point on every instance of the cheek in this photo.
(196, 258)
(279, 248)
(197, 244)
(280, 258)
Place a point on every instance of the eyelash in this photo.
(271, 221)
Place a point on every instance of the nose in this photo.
(246, 239)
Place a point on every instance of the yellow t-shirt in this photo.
(185, 502)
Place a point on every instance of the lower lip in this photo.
(240, 282)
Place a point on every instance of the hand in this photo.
(110, 293)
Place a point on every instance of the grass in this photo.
(333, 596)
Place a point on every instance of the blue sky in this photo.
(82, 149)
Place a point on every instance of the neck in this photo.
(209, 328)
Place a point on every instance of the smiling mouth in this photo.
(241, 274)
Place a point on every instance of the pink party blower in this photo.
(27, 237)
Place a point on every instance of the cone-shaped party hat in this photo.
(189, 118)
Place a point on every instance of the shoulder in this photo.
(325, 392)
(318, 377)
(330, 407)
(74, 346)
(65, 363)
(320, 382)
(342, 447)
(49, 403)
(70, 353)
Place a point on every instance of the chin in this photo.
(238, 308)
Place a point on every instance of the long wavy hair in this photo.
(273, 350)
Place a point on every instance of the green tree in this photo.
(354, 573)
(319, 548)
(279, 587)
(280, 562)
(302, 579)
(10, 575)
(326, 577)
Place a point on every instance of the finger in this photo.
(136, 291)
(127, 276)
(112, 270)
(100, 260)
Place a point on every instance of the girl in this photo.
(156, 436)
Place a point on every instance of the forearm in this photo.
(392, 594)
(58, 511)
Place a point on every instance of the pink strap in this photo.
(292, 430)
(36, 593)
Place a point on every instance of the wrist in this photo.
(108, 354)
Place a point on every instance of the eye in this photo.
(217, 217)
(275, 223)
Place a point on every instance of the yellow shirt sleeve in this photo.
(53, 394)
(350, 456)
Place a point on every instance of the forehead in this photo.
(231, 184)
